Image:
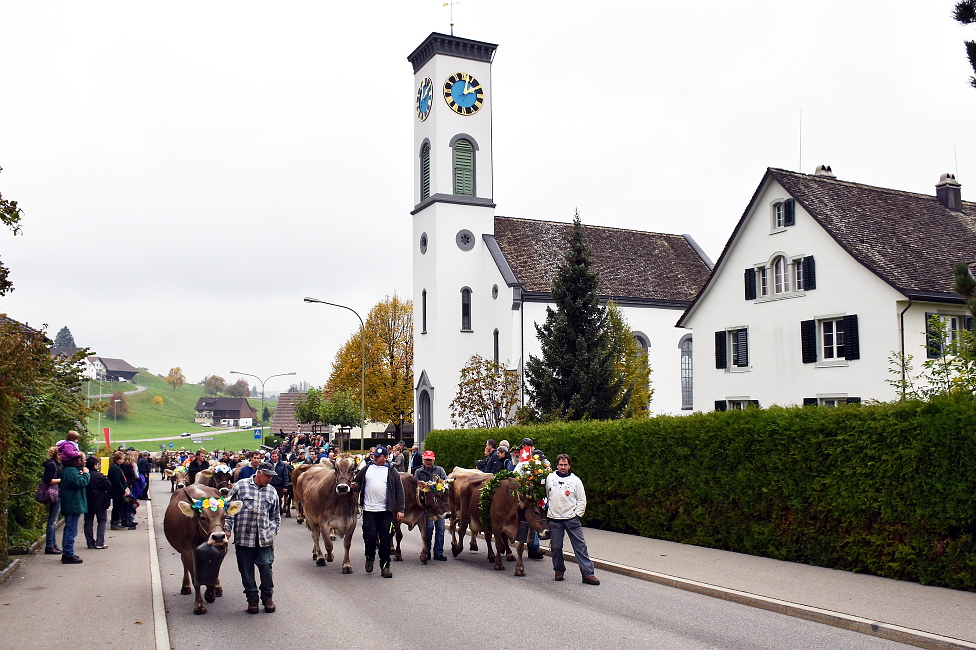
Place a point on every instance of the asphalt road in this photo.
(463, 601)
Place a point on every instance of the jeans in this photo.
(247, 558)
(378, 523)
(573, 528)
(533, 544)
(118, 510)
(438, 526)
(69, 533)
(96, 537)
(51, 538)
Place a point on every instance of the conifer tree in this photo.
(575, 378)
(965, 13)
(64, 339)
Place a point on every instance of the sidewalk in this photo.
(114, 599)
(105, 602)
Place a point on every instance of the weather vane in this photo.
(451, 5)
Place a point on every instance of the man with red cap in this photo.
(430, 472)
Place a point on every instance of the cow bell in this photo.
(206, 563)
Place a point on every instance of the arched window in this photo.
(495, 345)
(423, 312)
(466, 309)
(687, 377)
(425, 171)
(781, 280)
(464, 167)
(424, 423)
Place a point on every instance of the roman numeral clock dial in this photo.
(463, 94)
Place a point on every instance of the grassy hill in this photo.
(167, 420)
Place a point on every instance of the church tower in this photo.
(453, 208)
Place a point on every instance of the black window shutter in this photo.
(967, 322)
(933, 343)
(742, 342)
(853, 400)
(808, 341)
(750, 284)
(809, 273)
(810, 401)
(852, 342)
(789, 218)
(721, 405)
(721, 356)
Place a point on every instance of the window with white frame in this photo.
(732, 349)
(783, 276)
(687, 373)
(782, 215)
(951, 326)
(830, 340)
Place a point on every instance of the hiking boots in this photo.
(559, 576)
(591, 580)
(269, 606)
(252, 608)
(369, 565)
(385, 571)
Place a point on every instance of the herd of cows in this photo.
(327, 502)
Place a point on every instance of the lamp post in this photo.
(362, 359)
(115, 412)
(261, 414)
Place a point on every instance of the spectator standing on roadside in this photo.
(74, 503)
(490, 464)
(504, 459)
(415, 459)
(132, 481)
(97, 493)
(399, 459)
(567, 503)
(118, 491)
(253, 530)
(282, 479)
(52, 476)
(145, 467)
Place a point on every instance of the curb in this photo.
(159, 607)
(880, 629)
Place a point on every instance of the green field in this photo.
(168, 420)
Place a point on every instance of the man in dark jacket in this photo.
(197, 465)
(118, 491)
(98, 501)
(281, 481)
(381, 498)
(145, 467)
(430, 472)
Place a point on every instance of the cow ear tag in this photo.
(424, 486)
(234, 508)
(185, 508)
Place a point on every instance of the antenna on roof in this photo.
(800, 129)
(955, 156)
(451, 5)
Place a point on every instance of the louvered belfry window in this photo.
(425, 171)
(463, 168)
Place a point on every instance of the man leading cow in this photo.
(429, 472)
(382, 501)
(253, 530)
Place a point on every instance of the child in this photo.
(68, 448)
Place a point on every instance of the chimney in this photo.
(824, 170)
(949, 192)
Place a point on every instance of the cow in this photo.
(465, 511)
(191, 520)
(177, 477)
(330, 506)
(167, 460)
(423, 502)
(295, 493)
(216, 477)
(508, 507)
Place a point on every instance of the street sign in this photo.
(171, 445)
(162, 447)
(257, 434)
(211, 438)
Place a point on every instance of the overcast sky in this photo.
(189, 171)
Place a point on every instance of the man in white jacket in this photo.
(567, 503)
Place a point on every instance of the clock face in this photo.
(463, 93)
(425, 98)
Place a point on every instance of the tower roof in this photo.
(451, 46)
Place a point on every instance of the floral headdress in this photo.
(531, 477)
(212, 503)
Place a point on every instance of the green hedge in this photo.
(887, 489)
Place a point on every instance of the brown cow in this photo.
(177, 477)
(187, 527)
(216, 477)
(505, 510)
(424, 502)
(463, 500)
(295, 493)
(330, 506)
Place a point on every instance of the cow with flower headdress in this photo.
(513, 507)
(424, 501)
(177, 476)
(218, 476)
(194, 526)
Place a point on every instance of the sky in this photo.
(189, 171)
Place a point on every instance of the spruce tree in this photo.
(64, 339)
(575, 379)
(965, 13)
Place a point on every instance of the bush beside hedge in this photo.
(887, 489)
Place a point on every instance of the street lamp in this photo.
(261, 414)
(362, 359)
(115, 412)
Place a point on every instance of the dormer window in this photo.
(783, 276)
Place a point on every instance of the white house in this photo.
(481, 281)
(820, 283)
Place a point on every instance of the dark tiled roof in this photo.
(284, 416)
(117, 365)
(224, 404)
(6, 320)
(909, 240)
(631, 263)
